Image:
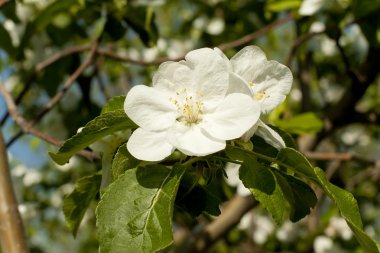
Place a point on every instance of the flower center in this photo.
(261, 95)
(189, 106)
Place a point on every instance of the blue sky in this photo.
(21, 150)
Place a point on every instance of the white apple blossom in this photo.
(269, 81)
(188, 108)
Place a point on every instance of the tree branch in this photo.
(298, 42)
(28, 128)
(12, 236)
(252, 36)
(329, 156)
(231, 215)
(41, 66)
(59, 55)
(235, 43)
(69, 82)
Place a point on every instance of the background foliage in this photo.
(62, 60)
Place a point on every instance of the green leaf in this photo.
(135, 213)
(9, 11)
(261, 146)
(141, 20)
(261, 181)
(288, 139)
(200, 199)
(97, 28)
(306, 123)
(114, 28)
(349, 210)
(363, 8)
(101, 126)
(43, 19)
(6, 41)
(114, 104)
(277, 6)
(122, 161)
(76, 203)
(212, 201)
(345, 201)
(299, 195)
(297, 162)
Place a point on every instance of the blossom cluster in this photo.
(197, 104)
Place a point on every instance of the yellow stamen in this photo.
(261, 95)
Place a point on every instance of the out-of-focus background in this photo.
(62, 60)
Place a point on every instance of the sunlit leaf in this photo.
(306, 123)
(263, 184)
(135, 213)
(345, 201)
(101, 126)
(122, 161)
(114, 104)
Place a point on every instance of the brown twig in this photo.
(41, 66)
(59, 55)
(12, 235)
(231, 215)
(28, 128)
(99, 77)
(111, 54)
(249, 37)
(298, 42)
(329, 156)
(69, 82)
(235, 43)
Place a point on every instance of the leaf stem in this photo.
(192, 160)
(227, 160)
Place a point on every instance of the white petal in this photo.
(275, 80)
(150, 108)
(232, 171)
(192, 141)
(172, 76)
(270, 136)
(247, 135)
(238, 85)
(247, 60)
(242, 190)
(232, 118)
(210, 72)
(225, 58)
(149, 146)
(310, 7)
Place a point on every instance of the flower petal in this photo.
(232, 171)
(225, 58)
(238, 85)
(210, 72)
(271, 84)
(270, 136)
(192, 141)
(247, 135)
(172, 76)
(232, 118)
(149, 145)
(247, 60)
(150, 108)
